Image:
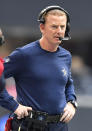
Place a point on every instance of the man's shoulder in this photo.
(21, 51)
(29, 46)
(64, 51)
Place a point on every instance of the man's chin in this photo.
(58, 42)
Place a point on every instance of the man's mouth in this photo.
(57, 37)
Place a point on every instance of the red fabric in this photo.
(1, 66)
(8, 125)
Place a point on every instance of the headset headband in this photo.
(49, 8)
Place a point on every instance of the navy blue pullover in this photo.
(43, 78)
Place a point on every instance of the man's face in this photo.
(0, 33)
(1, 38)
(54, 28)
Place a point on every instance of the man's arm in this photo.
(11, 104)
(12, 68)
(70, 108)
(2, 83)
(8, 101)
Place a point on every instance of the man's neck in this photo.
(48, 46)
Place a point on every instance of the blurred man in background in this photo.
(46, 99)
(2, 81)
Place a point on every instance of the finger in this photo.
(21, 114)
(67, 118)
(29, 108)
(18, 117)
(64, 116)
(26, 113)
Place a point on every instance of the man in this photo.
(2, 82)
(42, 71)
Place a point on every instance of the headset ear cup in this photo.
(68, 26)
(42, 20)
(67, 30)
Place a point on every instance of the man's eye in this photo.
(54, 27)
(62, 27)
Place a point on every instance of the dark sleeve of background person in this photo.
(2, 83)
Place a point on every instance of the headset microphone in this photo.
(60, 38)
(65, 38)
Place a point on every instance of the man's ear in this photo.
(42, 28)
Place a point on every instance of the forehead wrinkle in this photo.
(54, 20)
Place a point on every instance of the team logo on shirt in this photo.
(64, 71)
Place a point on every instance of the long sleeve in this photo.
(2, 83)
(69, 91)
(8, 101)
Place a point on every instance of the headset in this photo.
(49, 8)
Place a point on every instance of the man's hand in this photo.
(22, 111)
(69, 112)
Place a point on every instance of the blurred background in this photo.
(18, 20)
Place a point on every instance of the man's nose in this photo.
(59, 29)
